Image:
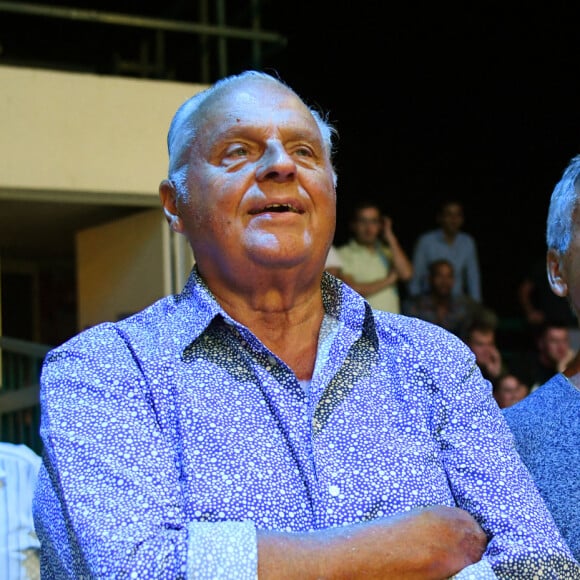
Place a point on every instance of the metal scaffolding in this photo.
(203, 29)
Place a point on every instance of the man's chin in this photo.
(278, 260)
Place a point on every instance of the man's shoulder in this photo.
(466, 238)
(419, 302)
(545, 422)
(429, 235)
(424, 347)
(347, 248)
(425, 337)
(541, 402)
(147, 328)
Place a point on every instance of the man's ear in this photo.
(168, 195)
(556, 274)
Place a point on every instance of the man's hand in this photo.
(387, 229)
(429, 544)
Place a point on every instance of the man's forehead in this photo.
(443, 269)
(556, 332)
(238, 111)
(253, 95)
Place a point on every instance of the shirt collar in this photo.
(197, 308)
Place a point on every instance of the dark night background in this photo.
(476, 101)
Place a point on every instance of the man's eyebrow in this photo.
(307, 134)
(223, 136)
(287, 134)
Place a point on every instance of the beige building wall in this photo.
(128, 255)
(79, 138)
(83, 132)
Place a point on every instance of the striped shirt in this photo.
(19, 546)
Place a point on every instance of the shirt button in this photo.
(333, 490)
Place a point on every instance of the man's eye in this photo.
(303, 152)
(238, 151)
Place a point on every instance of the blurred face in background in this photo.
(442, 280)
(508, 391)
(451, 218)
(554, 344)
(367, 225)
(482, 343)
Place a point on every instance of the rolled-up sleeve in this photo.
(222, 551)
(489, 480)
(109, 503)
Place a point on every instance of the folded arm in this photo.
(424, 544)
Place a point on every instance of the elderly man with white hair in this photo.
(546, 423)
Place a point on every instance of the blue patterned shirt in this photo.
(171, 436)
(546, 427)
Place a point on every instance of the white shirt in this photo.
(19, 546)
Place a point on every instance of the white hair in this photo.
(183, 128)
(563, 203)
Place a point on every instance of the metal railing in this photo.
(19, 391)
(203, 29)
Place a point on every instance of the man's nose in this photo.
(276, 163)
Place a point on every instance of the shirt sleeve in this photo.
(109, 504)
(222, 551)
(488, 479)
(479, 571)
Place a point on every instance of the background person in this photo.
(266, 421)
(541, 306)
(480, 338)
(450, 242)
(546, 424)
(438, 305)
(551, 354)
(19, 545)
(333, 265)
(373, 259)
(537, 301)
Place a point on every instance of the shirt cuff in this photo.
(479, 571)
(222, 550)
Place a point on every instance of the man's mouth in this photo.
(277, 208)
